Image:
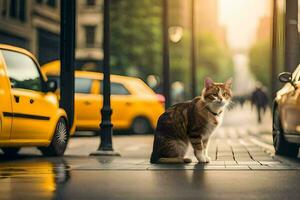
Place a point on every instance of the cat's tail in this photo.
(153, 158)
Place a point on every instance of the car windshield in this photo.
(296, 74)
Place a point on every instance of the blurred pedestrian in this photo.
(259, 99)
(177, 92)
(154, 83)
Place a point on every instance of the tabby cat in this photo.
(191, 122)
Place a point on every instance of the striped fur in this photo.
(190, 122)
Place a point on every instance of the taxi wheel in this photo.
(282, 147)
(11, 151)
(140, 125)
(59, 141)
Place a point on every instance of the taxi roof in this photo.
(53, 68)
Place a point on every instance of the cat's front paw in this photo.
(208, 159)
(202, 159)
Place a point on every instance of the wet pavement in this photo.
(243, 166)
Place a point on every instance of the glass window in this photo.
(51, 3)
(83, 85)
(90, 35)
(22, 11)
(22, 71)
(3, 7)
(116, 89)
(13, 9)
(90, 2)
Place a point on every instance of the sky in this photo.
(241, 18)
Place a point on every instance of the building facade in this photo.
(35, 26)
(89, 54)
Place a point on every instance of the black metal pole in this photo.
(67, 57)
(273, 67)
(291, 35)
(166, 61)
(106, 146)
(193, 51)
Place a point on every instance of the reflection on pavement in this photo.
(32, 178)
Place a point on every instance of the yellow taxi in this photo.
(29, 109)
(135, 106)
(286, 115)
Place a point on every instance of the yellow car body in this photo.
(286, 115)
(29, 113)
(131, 100)
(288, 102)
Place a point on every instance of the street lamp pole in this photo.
(67, 57)
(291, 36)
(106, 147)
(193, 51)
(166, 61)
(273, 66)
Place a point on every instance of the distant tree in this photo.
(213, 59)
(259, 61)
(136, 45)
(136, 38)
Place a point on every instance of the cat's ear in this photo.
(228, 83)
(208, 82)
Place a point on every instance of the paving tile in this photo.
(270, 162)
(217, 162)
(237, 154)
(248, 163)
(237, 167)
(224, 159)
(228, 162)
(263, 158)
(224, 154)
(278, 167)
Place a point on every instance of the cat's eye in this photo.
(225, 94)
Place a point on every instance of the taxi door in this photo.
(32, 109)
(87, 103)
(5, 104)
(122, 104)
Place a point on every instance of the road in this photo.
(243, 166)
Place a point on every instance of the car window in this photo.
(116, 89)
(22, 71)
(83, 85)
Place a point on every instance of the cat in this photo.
(191, 122)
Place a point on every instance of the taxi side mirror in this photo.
(51, 85)
(285, 77)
